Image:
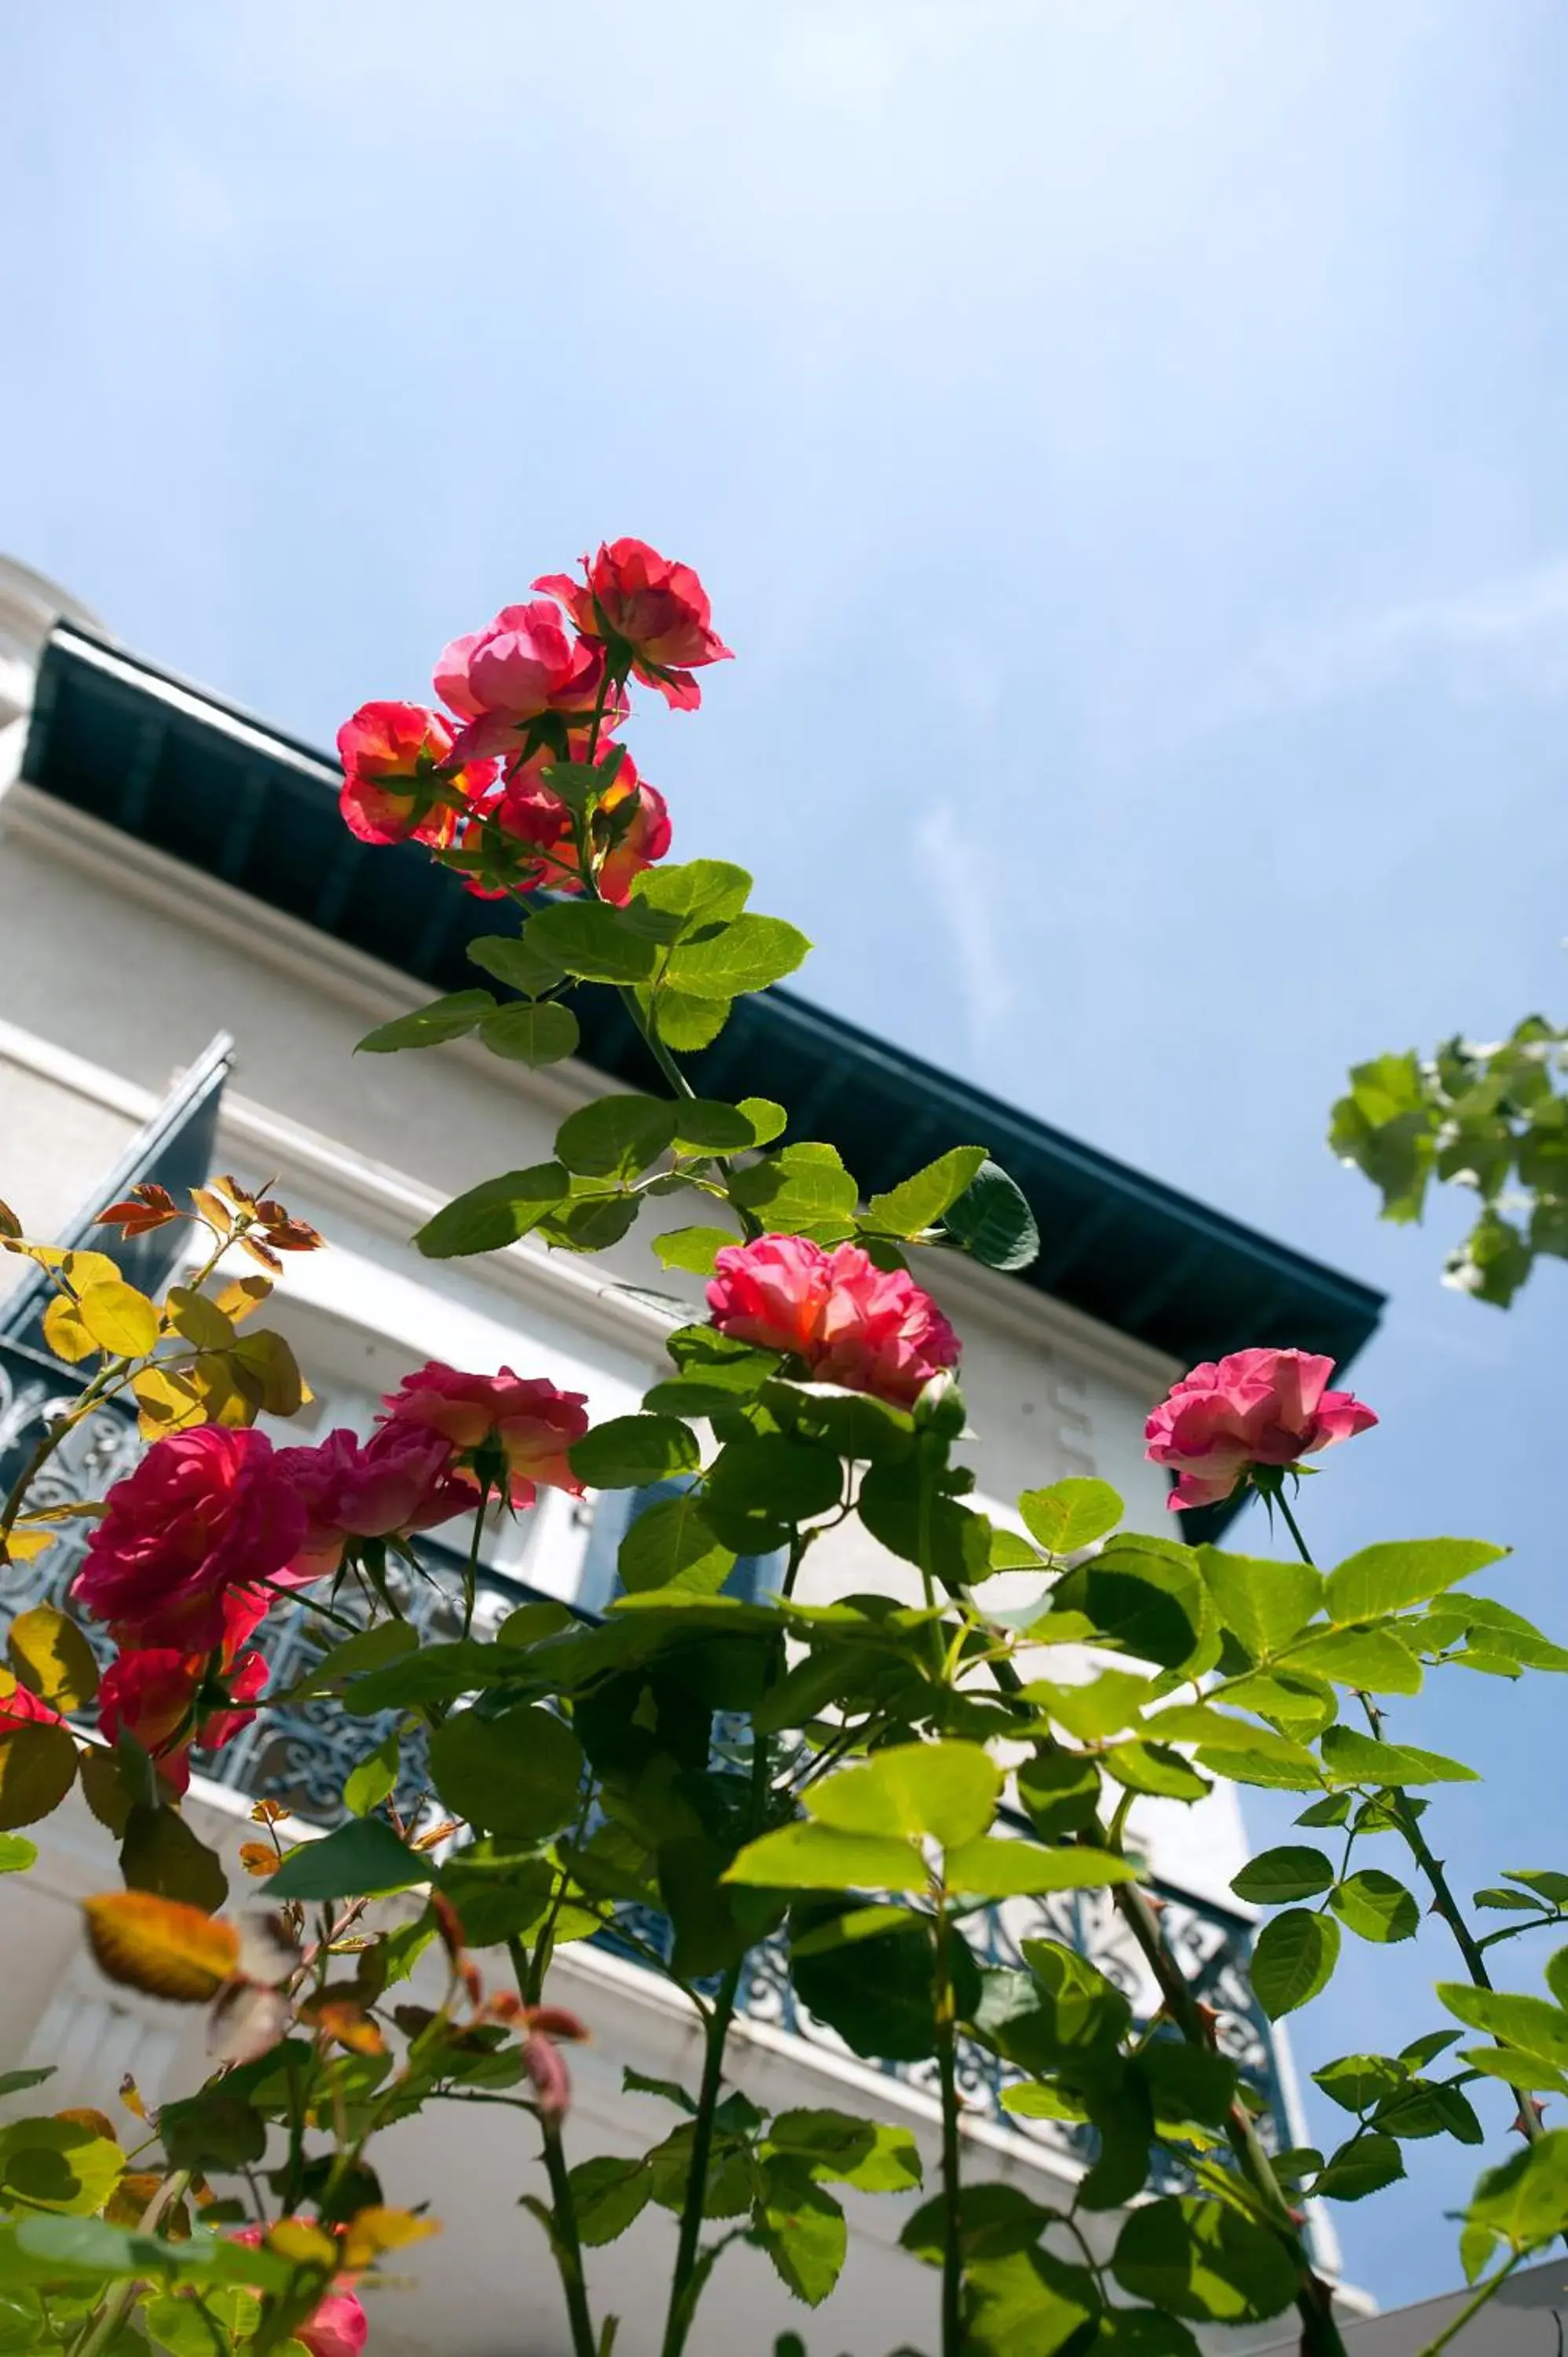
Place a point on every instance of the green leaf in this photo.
(1376, 1907)
(368, 1784)
(632, 1452)
(807, 1857)
(1384, 1578)
(704, 891)
(878, 1993)
(802, 2230)
(673, 1546)
(212, 2130)
(799, 1188)
(495, 1213)
(1221, 1731)
(1186, 2082)
(940, 1534)
(541, 1033)
(1059, 1793)
(1141, 2332)
(1071, 1513)
(1263, 1604)
(615, 1136)
(1203, 2260)
(1028, 2304)
(1365, 2165)
(607, 2195)
(947, 1791)
(58, 2165)
(38, 1769)
(918, 1203)
(992, 1221)
(515, 963)
(1278, 1875)
(1357, 2081)
(428, 1026)
(1294, 1960)
(695, 1249)
(430, 1674)
(1526, 2200)
(994, 2220)
(1353, 1759)
(1151, 1768)
(1012, 1869)
(1371, 1660)
(706, 1126)
(160, 1853)
(775, 1478)
(518, 1774)
(364, 1859)
(747, 953)
(683, 1021)
(1095, 1707)
(592, 941)
(1144, 1597)
(388, 1640)
(1528, 2023)
(844, 2149)
(16, 1853)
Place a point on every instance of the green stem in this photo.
(1444, 1902)
(107, 2319)
(565, 2241)
(690, 2275)
(678, 2322)
(57, 1431)
(1472, 2308)
(952, 2188)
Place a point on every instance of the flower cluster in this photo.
(213, 1526)
(871, 1330)
(536, 695)
(1257, 1411)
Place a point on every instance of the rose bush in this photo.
(855, 1782)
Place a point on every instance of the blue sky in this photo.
(1124, 445)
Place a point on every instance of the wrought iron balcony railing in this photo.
(300, 1754)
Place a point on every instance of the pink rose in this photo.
(528, 812)
(151, 1695)
(659, 612)
(531, 1424)
(204, 1513)
(393, 757)
(336, 2327)
(1254, 1408)
(525, 663)
(870, 1329)
(402, 1479)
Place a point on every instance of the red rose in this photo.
(337, 2326)
(1254, 1408)
(401, 1480)
(394, 757)
(531, 1423)
(204, 1513)
(637, 835)
(658, 611)
(870, 1329)
(523, 664)
(151, 1695)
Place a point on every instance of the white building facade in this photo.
(173, 874)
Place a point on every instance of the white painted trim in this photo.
(74, 1072)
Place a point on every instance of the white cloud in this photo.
(1505, 637)
(967, 886)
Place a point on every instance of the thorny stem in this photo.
(686, 2280)
(952, 2190)
(1444, 1902)
(58, 1431)
(1473, 2307)
(565, 2241)
(107, 2319)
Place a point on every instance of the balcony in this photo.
(301, 1754)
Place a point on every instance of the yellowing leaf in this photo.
(374, 2231)
(52, 1658)
(242, 1295)
(64, 1332)
(198, 1319)
(119, 1318)
(161, 1946)
(167, 1402)
(81, 1269)
(38, 1769)
(302, 2244)
(265, 1369)
(213, 1210)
